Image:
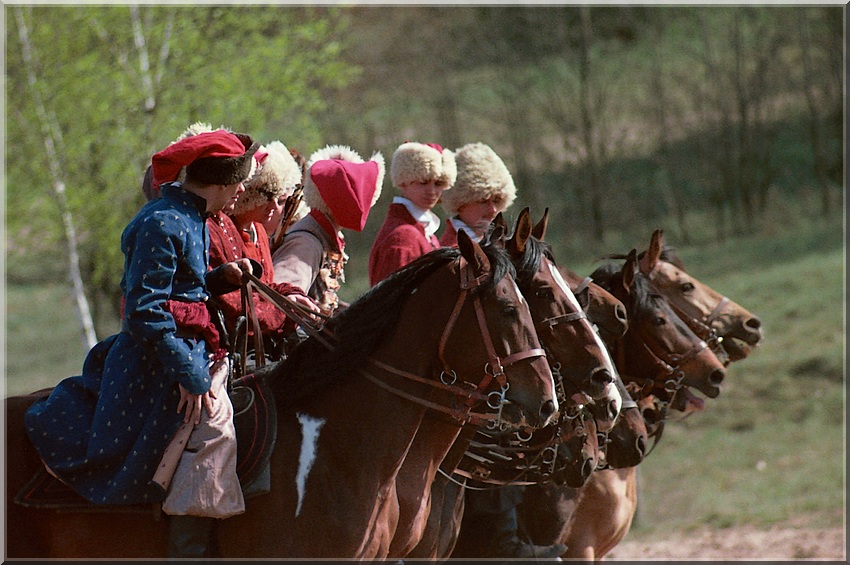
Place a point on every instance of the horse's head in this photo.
(578, 452)
(493, 335)
(602, 308)
(625, 444)
(708, 312)
(561, 322)
(658, 344)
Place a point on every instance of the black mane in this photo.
(361, 327)
(529, 263)
(642, 299)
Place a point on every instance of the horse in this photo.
(346, 416)
(594, 519)
(727, 326)
(572, 343)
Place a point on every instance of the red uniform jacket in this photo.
(227, 244)
(400, 240)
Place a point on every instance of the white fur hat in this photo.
(278, 175)
(480, 175)
(420, 162)
(343, 193)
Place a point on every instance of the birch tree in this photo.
(52, 137)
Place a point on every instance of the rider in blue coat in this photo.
(103, 432)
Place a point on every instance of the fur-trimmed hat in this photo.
(216, 157)
(340, 184)
(480, 175)
(422, 162)
(278, 175)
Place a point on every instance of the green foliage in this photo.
(248, 68)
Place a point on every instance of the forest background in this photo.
(723, 125)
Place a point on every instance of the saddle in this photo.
(255, 418)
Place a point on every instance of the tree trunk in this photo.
(587, 127)
(820, 163)
(51, 137)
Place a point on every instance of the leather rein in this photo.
(494, 368)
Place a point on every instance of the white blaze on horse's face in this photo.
(310, 428)
(519, 293)
(609, 364)
(612, 396)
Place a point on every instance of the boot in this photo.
(506, 542)
(189, 536)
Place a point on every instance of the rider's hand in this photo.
(193, 404)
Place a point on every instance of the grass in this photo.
(769, 450)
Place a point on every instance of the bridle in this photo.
(702, 327)
(494, 368)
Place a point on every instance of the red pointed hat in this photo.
(347, 188)
(340, 184)
(215, 157)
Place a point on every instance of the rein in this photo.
(494, 369)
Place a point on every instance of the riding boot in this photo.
(507, 543)
(189, 536)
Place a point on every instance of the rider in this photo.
(484, 187)
(421, 172)
(340, 189)
(237, 232)
(103, 433)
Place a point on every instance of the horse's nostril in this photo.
(612, 410)
(601, 378)
(587, 468)
(547, 409)
(640, 445)
(753, 323)
(717, 376)
(620, 313)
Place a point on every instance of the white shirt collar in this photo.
(461, 225)
(429, 220)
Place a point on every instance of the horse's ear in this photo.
(539, 230)
(499, 221)
(653, 254)
(497, 235)
(522, 231)
(473, 253)
(630, 267)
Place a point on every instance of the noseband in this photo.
(702, 327)
(494, 368)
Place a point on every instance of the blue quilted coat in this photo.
(103, 432)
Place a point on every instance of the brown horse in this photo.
(710, 314)
(595, 518)
(346, 417)
(572, 343)
(730, 329)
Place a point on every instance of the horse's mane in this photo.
(668, 254)
(361, 327)
(529, 263)
(608, 276)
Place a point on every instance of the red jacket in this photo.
(400, 240)
(449, 237)
(227, 244)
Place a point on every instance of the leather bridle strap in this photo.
(568, 317)
(250, 309)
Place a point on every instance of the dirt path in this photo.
(740, 543)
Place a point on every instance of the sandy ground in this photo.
(740, 543)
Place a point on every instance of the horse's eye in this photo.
(659, 321)
(545, 293)
(510, 311)
(687, 287)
